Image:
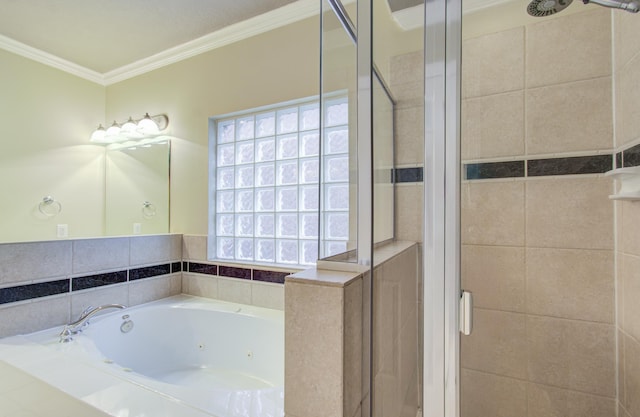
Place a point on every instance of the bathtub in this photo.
(182, 356)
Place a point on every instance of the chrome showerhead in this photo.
(541, 8)
(632, 6)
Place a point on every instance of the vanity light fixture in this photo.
(147, 127)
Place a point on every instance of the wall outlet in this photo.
(137, 228)
(62, 230)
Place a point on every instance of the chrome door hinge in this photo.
(466, 313)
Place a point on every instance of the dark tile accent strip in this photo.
(619, 160)
(82, 283)
(176, 267)
(631, 156)
(27, 292)
(149, 271)
(491, 170)
(185, 266)
(203, 268)
(408, 175)
(269, 276)
(595, 164)
(233, 272)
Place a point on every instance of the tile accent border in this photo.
(251, 274)
(629, 157)
(575, 165)
(69, 285)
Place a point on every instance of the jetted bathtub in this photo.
(182, 356)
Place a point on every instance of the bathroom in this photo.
(555, 329)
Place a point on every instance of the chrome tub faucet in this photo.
(74, 328)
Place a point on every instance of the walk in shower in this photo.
(508, 124)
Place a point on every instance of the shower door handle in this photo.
(466, 313)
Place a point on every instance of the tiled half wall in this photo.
(47, 284)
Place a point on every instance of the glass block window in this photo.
(268, 168)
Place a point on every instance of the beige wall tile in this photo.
(630, 294)
(151, 289)
(194, 247)
(632, 376)
(407, 68)
(576, 355)
(570, 213)
(91, 255)
(546, 401)
(41, 314)
(409, 126)
(485, 395)
(313, 357)
(409, 94)
(571, 283)
(267, 295)
(493, 126)
(498, 344)
(386, 320)
(625, 28)
(95, 297)
(495, 275)
(30, 261)
(234, 290)
(409, 207)
(150, 249)
(569, 117)
(493, 213)
(200, 285)
(481, 74)
(622, 412)
(627, 102)
(628, 238)
(571, 48)
(352, 347)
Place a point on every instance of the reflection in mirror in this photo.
(137, 187)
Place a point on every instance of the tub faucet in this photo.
(74, 328)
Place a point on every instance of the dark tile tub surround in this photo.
(492, 170)
(234, 272)
(226, 271)
(202, 268)
(44, 289)
(269, 276)
(83, 283)
(595, 164)
(30, 291)
(149, 271)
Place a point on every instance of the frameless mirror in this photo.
(137, 188)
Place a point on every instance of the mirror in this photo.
(46, 118)
(137, 188)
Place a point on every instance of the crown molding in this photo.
(46, 58)
(274, 19)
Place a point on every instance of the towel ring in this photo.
(49, 206)
(148, 210)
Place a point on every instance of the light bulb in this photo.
(98, 135)
(147, 126)
(114, 129)
(128, 129)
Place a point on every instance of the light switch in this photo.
(62, 230)
(137, 228)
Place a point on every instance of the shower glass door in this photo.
(537, 231)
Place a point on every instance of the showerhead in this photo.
(541, 8)
(632, 6)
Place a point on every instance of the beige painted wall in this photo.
(276, 66)
(46, 116)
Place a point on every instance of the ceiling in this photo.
(104, 35)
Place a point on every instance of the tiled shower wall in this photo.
(537, 224)
(627, 102)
